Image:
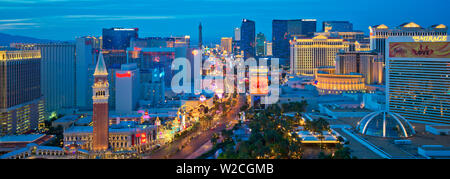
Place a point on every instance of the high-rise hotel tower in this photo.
(418, 78)
(100, 114)
(21, 105)
(307, 54)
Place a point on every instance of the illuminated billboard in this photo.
(142, 137)
(419, 49)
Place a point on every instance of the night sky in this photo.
(67, 19)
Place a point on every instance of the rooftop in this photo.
(339, 108)
(69, 118)
(84, 121)
(100, 69)
(385, 124)
(27, 148)
(21, 138)
(411, 25)
(441, 126)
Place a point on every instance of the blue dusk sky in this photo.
(67, 19)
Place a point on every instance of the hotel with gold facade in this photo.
(356, 40)
(418, 78)
(307, 54)
(328, 82)
(21, 105)
(226, 44)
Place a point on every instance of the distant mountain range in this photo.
(6, 39)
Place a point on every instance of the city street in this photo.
(170, 150)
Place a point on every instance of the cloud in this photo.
(110, 17)
(13, 20)
(9, 26)
(138, 17)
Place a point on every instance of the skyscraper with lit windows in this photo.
(418, 78)
(57, 74)
(21, 105)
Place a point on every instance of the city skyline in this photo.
(66, 19)
(224, 79)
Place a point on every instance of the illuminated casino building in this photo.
(417, 79)
(226, 44)
(379, 34)
(331, 83)
(21, 105)
(366, 63)
(100, 114)
(356, 40)
(57, 74)
(307, 54)
(120, 139)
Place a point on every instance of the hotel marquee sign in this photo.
(419, 49)
(430, 38)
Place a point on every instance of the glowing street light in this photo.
(195, 52)
(202, 98)
(219, 95)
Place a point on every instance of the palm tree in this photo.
(214, 138)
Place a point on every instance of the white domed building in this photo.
(385, 124)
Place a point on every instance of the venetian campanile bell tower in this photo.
(100, 115)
